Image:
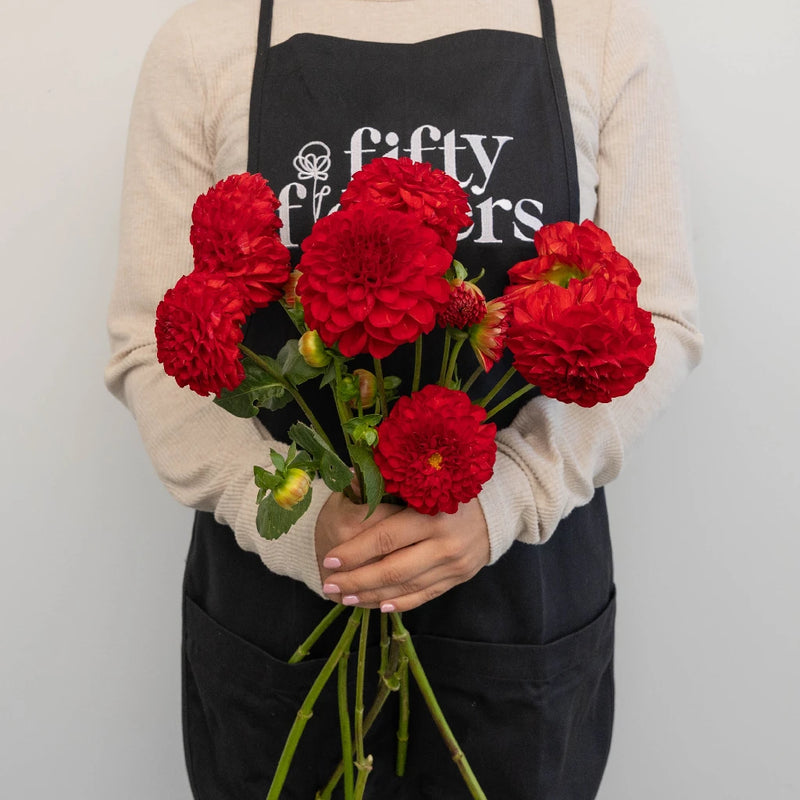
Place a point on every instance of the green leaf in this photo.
(265, 481)
(329, 375)
(457, 271)
(372, 419)
(296, 315)
(392, 385)
(308, 439)
(302, 461)
(273, 521)
(371, 477)
(332, 469)
(278, 460)
(257, 390)
(336, 474)
(293, 366)
(363, 428)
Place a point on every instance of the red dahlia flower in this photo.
(198, 330)
(465, 306)
(433, 450)
(372, 279)
(581, 344)
(235, 233)
(413, 188)
(576, 252)
(565, 238)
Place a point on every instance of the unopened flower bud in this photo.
(290, 288)
(293, 488)
(465, 307)
(367, 388)
(488, 337)
(312, 348)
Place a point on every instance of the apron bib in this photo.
(520, 656)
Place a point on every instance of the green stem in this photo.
(451, 367)
(341, 408)
(402, 636)
(402, 726)
(344, 415)
(497, 387)
(388, 683)
(381, 385)
(305, 648)
(384, 644)
(445, 356)
(510, 399)
(363, 773)
(363, 764)
(417, 364)
(472, 378)
(344, 728)
(306, 710)
(289, 388)
(359, 709)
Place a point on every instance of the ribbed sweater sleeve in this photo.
(554, 455)
(202, 454)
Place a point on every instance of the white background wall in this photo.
(706, 520)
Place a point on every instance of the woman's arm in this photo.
(203, 455)
(554, 455)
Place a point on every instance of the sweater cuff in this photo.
(506, 501)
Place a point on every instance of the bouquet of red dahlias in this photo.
(375, 276)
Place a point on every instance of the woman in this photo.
(541, 116)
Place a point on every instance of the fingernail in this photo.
(331, 588)
(387, 608)
(349, 600)
(331, 563)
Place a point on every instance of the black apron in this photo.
(521, 655)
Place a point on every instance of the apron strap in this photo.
(562, 104)
(256, 93)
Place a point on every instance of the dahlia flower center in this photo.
(561, 274)
(368, 259)
(435, 461)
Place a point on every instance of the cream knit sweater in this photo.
(189, 129)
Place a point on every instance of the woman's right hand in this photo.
(340, 520)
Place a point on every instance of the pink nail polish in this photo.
(387, 608)
(331, 563)
(331, 588)
(349, 600)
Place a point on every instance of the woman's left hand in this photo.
(405, 560)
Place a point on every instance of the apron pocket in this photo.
(239, 703)
(534, 720)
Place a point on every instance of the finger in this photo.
(381, 538)
(340, 520)
(405, 572)
(415, 599)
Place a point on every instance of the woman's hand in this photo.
(397, 559)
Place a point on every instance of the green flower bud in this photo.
(292, 489)
(367, 388)
(312, 348)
